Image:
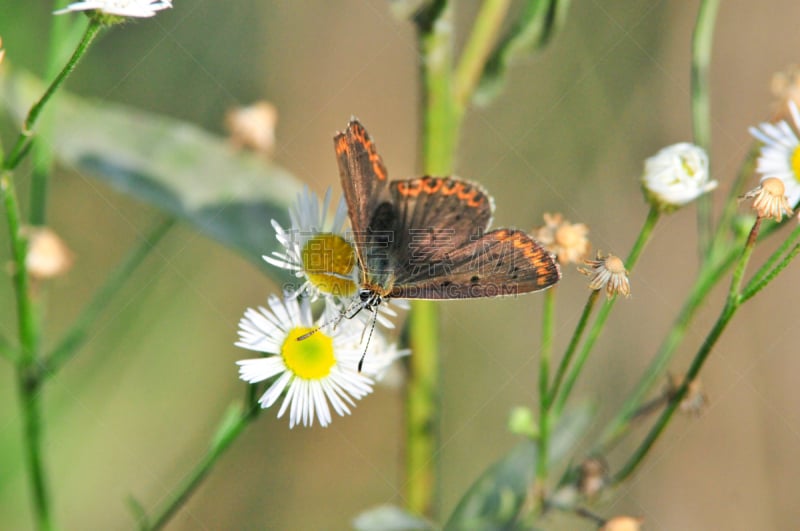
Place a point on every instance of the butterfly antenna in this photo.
(335, 321)
(369, 337)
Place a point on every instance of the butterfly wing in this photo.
(418, 224)
(498, 263)
(363, 175)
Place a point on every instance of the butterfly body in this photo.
(428, 237)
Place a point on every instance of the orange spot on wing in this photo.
(341, 145)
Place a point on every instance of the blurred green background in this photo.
(134, 411)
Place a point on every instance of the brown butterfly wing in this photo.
(363, 175)
(501, 262)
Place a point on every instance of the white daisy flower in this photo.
(121, 8)
(324, 258)
(676, 175)
(780, 154)
(320, 369)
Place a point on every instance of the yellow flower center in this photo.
(328, 261)
(310, 358)
(794, 161)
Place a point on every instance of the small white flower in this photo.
(323, 257)
(314, 372)
(676, 175)
(780, 154)
(121, 8)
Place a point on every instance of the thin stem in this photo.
(228, 433)
(28, 330)
(439, 137)
(548, 325)
(76, 335)
(757, 282)
(605, 311)
(750, 291)
(731, 205)
(573, 343)
(42, 154)
(477, 49)
(23, 141)
(701, 105)
(700, 358)
(732, 303)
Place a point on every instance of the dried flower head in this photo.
(676, 175)
(2, 51)
(770, 199)
(568, 241)
(607, 272)
(623, 523)
(785, 86)
(48, 256)
(695, 400)
(593, 476)
(253, 127)
(779, 155)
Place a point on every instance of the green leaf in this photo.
(390, 518)
(535, 28)
(495, 499)
(172, 165)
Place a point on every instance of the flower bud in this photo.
(676, 175)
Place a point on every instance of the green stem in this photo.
(548, 325)
(477, 49)
(439, 138)
(573, 343)
(42, 154)
(701, 105)
(732, 303)
(605, 311)
(441, 119)
(76, 335)
(23, 141)
(229, 431)
(28, 330)
(767, 272)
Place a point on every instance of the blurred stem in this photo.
(439, 138)
(545, 356)
(23, 142)
(702, 41)
(42, 154)
(732, 303)
(770, 270)
(605, 310)
(746, 171)
(227, 433)
(573, 343)
(28, 331)
(477, 49)
(76, 335)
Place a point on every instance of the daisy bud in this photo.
(593, 476)
(48, 256)
(623, 523)
(568, 241)
(253, 127)
(675, 176)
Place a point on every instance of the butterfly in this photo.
(428, 238)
